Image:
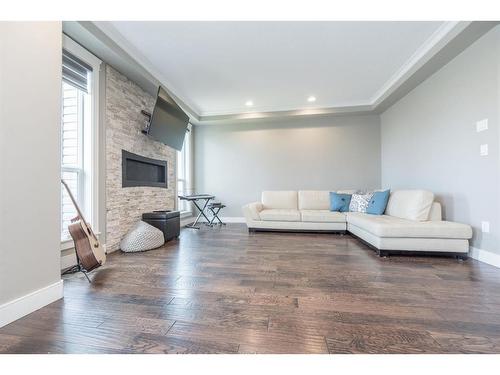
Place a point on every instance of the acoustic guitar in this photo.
(89, 251)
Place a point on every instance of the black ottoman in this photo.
(169, 222)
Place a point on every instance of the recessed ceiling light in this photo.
(311, 99)
(249, 103)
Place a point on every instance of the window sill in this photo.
(67, 243)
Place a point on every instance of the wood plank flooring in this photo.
(224, 290)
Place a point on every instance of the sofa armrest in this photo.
(252, 210)
(435, 212)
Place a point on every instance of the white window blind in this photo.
(75, 71)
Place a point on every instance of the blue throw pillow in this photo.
(378, 202)
(339, 202)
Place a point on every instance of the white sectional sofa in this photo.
(412, 221)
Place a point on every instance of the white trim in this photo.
(25, 305)
(68, 243)
(226, 219)
(442, 36)
(73, 47)
(485, 256)
(361, 108)
(233, 219)
(285, 109)
(186, 221)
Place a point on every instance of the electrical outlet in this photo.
(485, 226)
(482, 125)
(483, 150)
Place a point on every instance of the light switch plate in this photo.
(483, 150)
(482, 125)
(485, 226)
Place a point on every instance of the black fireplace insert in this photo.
(138, 170)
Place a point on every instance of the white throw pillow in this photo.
(359, 202)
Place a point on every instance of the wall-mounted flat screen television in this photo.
(169, 122)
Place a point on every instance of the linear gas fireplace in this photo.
(138, 170)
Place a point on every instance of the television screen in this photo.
(168, 123)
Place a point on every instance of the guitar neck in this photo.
(80, 215)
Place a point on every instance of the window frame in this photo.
(89, 188)
(186, 156)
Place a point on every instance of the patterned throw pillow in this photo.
(359, 202)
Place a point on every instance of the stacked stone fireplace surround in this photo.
(124, 122)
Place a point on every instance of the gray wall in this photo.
(237, 161)
(429, 139)
(30, 188)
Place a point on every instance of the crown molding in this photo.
(250, 116)
(282, 109)
(446, 32)
(443, 45)
(440, 57)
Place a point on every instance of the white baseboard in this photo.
(226, 219)
(233, 219)
(186, 221)
(485, 256)
(33, 301)
(109, 251)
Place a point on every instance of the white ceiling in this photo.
(215, 67)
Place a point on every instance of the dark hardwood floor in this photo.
(223, 290)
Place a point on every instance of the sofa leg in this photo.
(251, 230)
(383, 253)
(462, 258)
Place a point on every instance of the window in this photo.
(184, 186)
(79, 142)
(74, 103)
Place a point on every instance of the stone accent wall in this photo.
(124, 122)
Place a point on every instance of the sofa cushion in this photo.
(454, 245)
(314, 200)
(339, 202)
(390, 226)
(280, 214)
(279, 199)
(322, 216)
(378, 202)
(410, 204)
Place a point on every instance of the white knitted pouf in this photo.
(142, 237)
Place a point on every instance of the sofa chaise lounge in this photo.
(411, 223)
